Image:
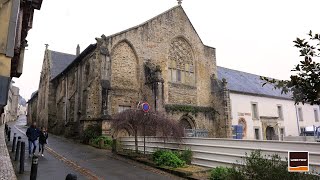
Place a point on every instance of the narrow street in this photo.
(63, 156)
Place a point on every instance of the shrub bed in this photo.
(91, 132)
(185, 155)
(107, 141)
(167, 158)
(259, 167)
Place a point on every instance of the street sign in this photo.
(298, 161)
(145, 107)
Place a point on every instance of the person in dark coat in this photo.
(33, 133)
(42, 140)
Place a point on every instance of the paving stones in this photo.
(6, 168)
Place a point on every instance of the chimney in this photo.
(78, 50)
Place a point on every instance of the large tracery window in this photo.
(181, 62)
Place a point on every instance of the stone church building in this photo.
(162, 61)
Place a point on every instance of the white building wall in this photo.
(308, 115)
(11, 109)
(241, 108)
(22, 110)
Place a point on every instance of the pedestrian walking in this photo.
(42, 140)
(33, 133)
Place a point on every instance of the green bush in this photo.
(269, 167)
(107, 141)
(185, 155)
(225, 173)
(157, 154)
(167, 158)
(91, 132)
(260, 167)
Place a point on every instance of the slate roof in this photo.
(34, 94)
(76, 59)
(59, 62)
(247, 83)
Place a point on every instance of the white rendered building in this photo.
(264, 112)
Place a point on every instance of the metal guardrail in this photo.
(212, 152)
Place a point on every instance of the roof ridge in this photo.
(248, 83)
(247, 72)
(61, 52)
(139, 25)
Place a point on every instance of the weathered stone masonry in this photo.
(162, 61)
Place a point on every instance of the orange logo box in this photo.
(298, 161)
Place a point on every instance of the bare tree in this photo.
(150, 123)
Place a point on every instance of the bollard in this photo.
(9, 134)
(114, 146)
(71, 177)
(6, 128)
(101, 143)
(18, 149)
(14, 143)
(22, 153)
(34, 168)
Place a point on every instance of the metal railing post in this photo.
(14, 143)
(18, 149)
(34, 168)
(9, 134)
(22, 154)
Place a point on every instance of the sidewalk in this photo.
(6, 168)
(65, 156)
(49, 168)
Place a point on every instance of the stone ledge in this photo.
(7, 171)
(181, 85)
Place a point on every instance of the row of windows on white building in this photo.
(255, 116)
(255, 112)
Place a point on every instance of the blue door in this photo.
(237, 131)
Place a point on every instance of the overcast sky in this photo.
(254, 36)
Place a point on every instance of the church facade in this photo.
(162, 61)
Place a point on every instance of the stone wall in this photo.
(75, 96)
(170, 42)
(114, 76)
(15, 102)
(32, 109)
(153, 41)
(43, 91)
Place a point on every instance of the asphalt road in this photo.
(65, 156)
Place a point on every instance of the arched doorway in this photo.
(123, 133)
(187, 122)
(243, 123)
(188, 125)
(270, 133)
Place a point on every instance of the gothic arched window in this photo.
(181, 62)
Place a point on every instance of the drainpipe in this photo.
(295, 106)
